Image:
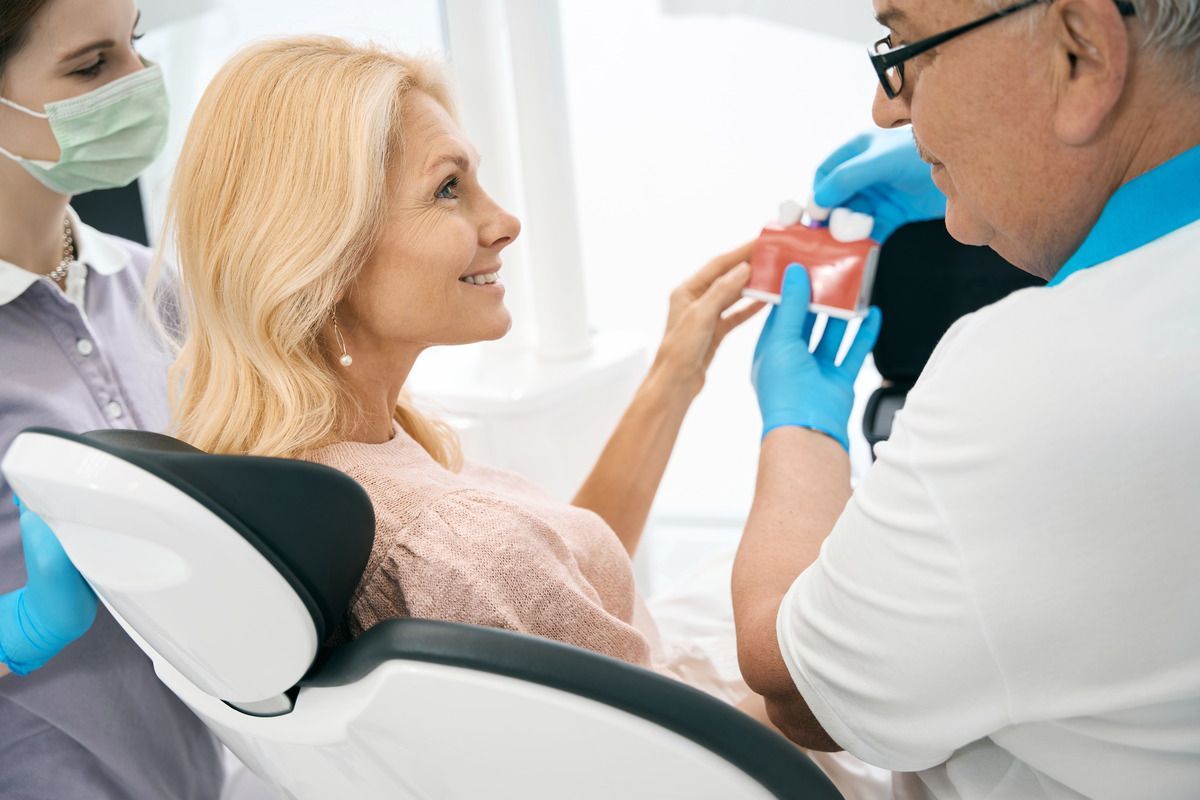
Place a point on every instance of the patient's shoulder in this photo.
(403, 480)
(482, 536)
(484, 517)
(399, 476)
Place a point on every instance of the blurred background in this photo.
(636, 139)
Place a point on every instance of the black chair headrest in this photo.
(314, 524)
(925, 282)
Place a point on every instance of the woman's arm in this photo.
(622, 486)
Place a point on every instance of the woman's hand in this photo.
(697, 322)
(622, 485)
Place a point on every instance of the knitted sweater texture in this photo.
(486, 547)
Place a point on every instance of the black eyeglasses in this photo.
(889, 63)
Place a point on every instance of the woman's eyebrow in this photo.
(101, 44)
(454, 158)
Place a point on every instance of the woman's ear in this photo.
(1092, 54)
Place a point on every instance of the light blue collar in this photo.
(1147, 208)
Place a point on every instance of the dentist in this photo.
(79, 110)
(1006, 606)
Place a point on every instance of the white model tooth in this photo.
(790, 212)
(850, 226)
(471, 279)
(815, 212)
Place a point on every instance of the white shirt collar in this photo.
(91, 248)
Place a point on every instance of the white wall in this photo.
(688, 131)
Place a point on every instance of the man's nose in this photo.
(891, 113)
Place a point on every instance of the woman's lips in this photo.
(491, 270)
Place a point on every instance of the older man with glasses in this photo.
(1008, 605)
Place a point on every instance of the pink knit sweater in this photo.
(486, 547)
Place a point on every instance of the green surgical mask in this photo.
(107, 137)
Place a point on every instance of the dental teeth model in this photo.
(850, 226)
(790, 212)
(834, 246)
(815, 212)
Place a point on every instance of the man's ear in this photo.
(1092, 52)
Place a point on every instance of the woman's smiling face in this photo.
(433, 276)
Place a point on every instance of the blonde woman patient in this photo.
(330, 228)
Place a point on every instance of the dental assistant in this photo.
(1006, 606)
(79, 110)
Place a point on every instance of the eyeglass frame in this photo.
(894, 59)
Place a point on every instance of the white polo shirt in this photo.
(1009, 607)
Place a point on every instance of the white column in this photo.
(547, 169)
(478, 49)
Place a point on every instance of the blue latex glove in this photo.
(880, 174)
(53, 609)
(796, 387)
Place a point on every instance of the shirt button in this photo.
(85, 347)
(115, 411)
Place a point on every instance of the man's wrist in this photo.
(833, 430)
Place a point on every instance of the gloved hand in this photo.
(796, 387)
(879, 173)
(53, 609)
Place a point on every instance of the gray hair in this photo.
(1172, 29)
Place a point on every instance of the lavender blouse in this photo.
(94, 722)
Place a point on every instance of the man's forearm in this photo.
(803, 485)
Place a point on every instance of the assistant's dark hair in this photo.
(16, 16)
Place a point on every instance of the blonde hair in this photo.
(277, 202)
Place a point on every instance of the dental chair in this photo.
(233, 574)
(924, 283)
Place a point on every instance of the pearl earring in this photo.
(345, 359)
